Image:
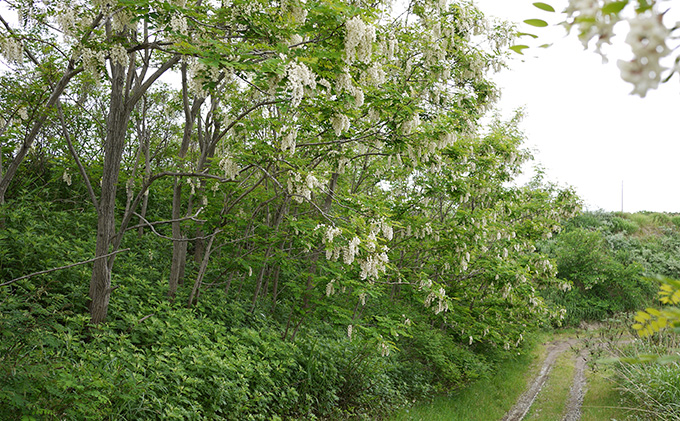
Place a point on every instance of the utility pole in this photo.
(621, 196)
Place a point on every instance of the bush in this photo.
(624, 225)
(604, 282)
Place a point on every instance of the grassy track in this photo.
(486, 399)
(490, 399)
(551, 402)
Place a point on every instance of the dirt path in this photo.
(578, 389)
(555, 349)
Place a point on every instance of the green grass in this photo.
(602, 400)
(490, 399)
(487, 399)
(551, 402)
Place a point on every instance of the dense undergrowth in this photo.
(159, 359)
(224, 358)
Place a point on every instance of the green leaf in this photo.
(519, 48)
(526, 34)
(544, 45)
(544, 6)
(614, 7)
(539, 23)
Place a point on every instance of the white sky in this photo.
(585, 128)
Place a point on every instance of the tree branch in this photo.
(42, 272)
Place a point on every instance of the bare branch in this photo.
(42, 272)
(176, 239)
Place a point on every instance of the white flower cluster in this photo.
(23, 113)
(105, 4)
(198, 75)
(295, 39)
(359, 39)
(66, 20)
(66, 177)
(288, 140)
(330, 289)
(178, 23)
(119, 55)
(442, 302)
(584, 7)
(384, 349)
(647, 39)
(122, 20)
(298, 76)
(420, 233)
(375, 75)
(191, 184)
(12, 49)
(345, 83)
(340, 123)
(230, 167)
(330, 234)
(302, 189)
(506, 291)
(387, 230)
(592, 23)
(372, 265)
(351, 250)
(93, 60)
(297, 11)
(411, 124)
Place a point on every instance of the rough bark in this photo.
(100, 283)
(179, 243)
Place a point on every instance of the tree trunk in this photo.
(147, 175)
(100, 283)
(179, 243)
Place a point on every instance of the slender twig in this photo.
(169, 221)
(81, 168)
(42, 272)
(176, 239)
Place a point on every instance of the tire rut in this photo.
(523, 405)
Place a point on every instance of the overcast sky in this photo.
(585, 128)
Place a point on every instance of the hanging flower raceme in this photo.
(288, 140)
(298, 76)
(359, 39)
(647, 40)
(230, 167)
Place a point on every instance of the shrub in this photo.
(624, 225)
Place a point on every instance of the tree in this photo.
(310, 129)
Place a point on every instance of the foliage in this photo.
(307, 220)
(602, 260)
(652, 386)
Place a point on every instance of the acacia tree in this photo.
(306, 127)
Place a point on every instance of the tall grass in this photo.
(603, 400)
(654, 388)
